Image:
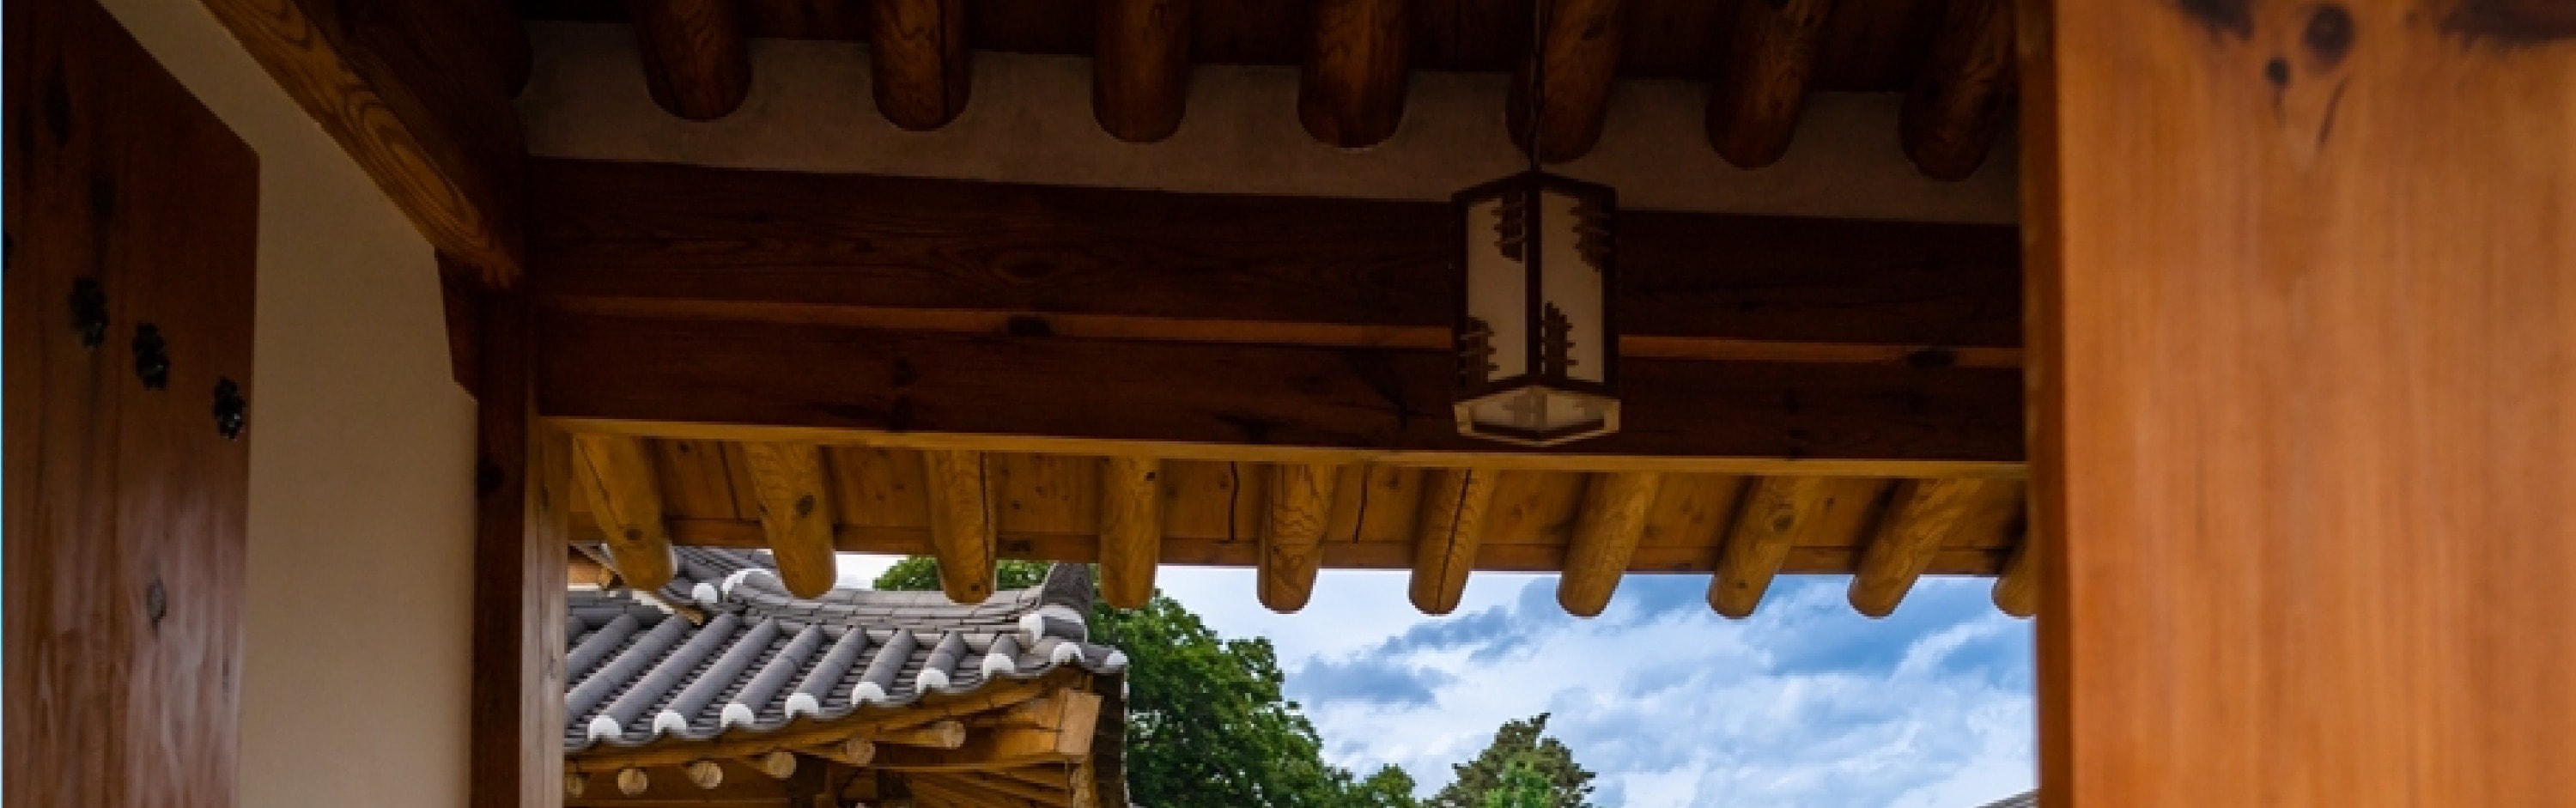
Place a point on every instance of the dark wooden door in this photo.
(131, 215)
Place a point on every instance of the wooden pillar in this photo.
(2302, 283)
(522, 487)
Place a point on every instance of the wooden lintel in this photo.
(796, 512)
(1131, 529)
(418, 92)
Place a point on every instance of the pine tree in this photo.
(1522, 742)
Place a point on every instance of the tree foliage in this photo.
(1521, 743)
(1208, 725)
(1521, 787)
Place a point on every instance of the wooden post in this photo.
(522, 509)
(2303, 293)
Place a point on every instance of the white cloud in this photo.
(1807, 704)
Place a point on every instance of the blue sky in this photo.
(1806, 704)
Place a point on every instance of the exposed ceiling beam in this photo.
(1131, 529)
(2017, 589)
(1352, 91)
(696, 62)
(1140, 73)
(1959, 102)
(939, 304)
(933, 735)
(1762, 79)
(616, 476)
(418, 92)
(917, 56)
(1923, 516)
(1605, 539)
(1582, 41)
(1300, 500)
(796, 512)
(961, 524)
(1775, 516)
(1453, 517)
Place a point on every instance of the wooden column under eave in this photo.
(918, 61)
(696, 62)
(1762, 78)
(2303, 306)
(1582, 46)
(1352, 92)
(522, 512)
(961, 523)
(1140, 68)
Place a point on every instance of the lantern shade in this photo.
(1538, 359)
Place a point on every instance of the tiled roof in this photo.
(636, 671)
(2027, 799)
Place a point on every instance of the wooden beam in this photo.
(961, 524)
(522, 519)
(1582, 41)
(1010, 787)
(616, 476)
(1131, 529)
(1140, 69)
(952, 787)
(417, 92)
(2016, 589)
(1778, 512)
(1922, 517)
(997, 258)
(1352, 91)
(1301, 495)
(1605, 539)
(696, 62)
(2304, 287)
(1962, 96)
(1762, 79)
(917, 58)
(1453, 521)
(796, 512)
(934, 735)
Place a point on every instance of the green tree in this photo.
(1522, 742)
(1208, 725)
(1521, 787)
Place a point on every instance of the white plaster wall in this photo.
(1028, 119)
(354, 683)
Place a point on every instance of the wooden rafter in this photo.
(615, 475)
(1919, 521)
(1453, 517)
(418, 93)
(1762, 82)
(1776, 514)
(1141, 74)
(961, 524)
(934, 735)
(1300, 501)
(1960, 102)
(796, 513)
(1352, 92)
(917, 57)
(1131, 529)
(696, 62)
(2016, 591)
(1605, 539)
(1582, 44)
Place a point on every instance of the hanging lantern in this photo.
(1538, 352)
